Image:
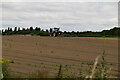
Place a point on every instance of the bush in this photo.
(5, 69)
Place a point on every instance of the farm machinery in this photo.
(55, 32)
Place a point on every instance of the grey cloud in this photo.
(68, 16)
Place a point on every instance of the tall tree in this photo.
(31, 28)
(36, 29)
(8, 29)
(47, 30)
(23, 29)
(39, 29)
(18, 28)
(15, 29)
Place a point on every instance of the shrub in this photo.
(5, 67)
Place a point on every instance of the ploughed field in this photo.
(31, 53)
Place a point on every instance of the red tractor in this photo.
(55, 32)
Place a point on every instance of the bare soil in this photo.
(31, 53)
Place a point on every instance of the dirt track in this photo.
(29, 51)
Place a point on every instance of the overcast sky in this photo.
(77, 16)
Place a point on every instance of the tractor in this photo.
(55, 32)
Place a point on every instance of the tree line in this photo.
(23, 31)
(114, 32)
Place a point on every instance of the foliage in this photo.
(114, 32)
(28, 31)
(5, 67)
(99, 71)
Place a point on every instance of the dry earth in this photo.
(32, 53)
